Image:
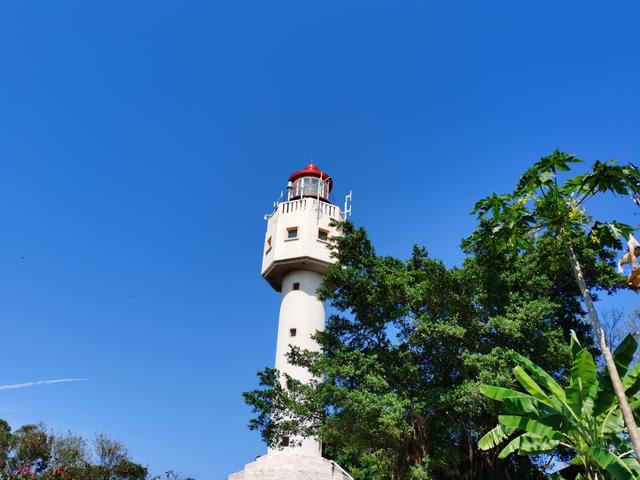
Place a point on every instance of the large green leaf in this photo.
(495, 437)
(611, 463)
(609, 177)
(623, 355)
(633, 388)
(528, 444)
(528, 425)
(584, 369)
(632, 464)
(605, 398)
(574, 345)
(498, 393)
(532, 387)
(496, 204)
(526, 405)
(612, 423)
(610, 234)
(543, 171)
(583, 382)
(540, 376)
(553, 419)
(631, 377)
(631, 381)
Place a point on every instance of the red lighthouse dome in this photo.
(310, 182)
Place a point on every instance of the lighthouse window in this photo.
(310, 186)
(292, 233)
(284, 442)
(296, 286)
(292, 332)
(268, 245)
(323, 234)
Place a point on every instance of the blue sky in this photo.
(141, 143)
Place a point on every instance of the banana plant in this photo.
(542, 204)
(584, 417)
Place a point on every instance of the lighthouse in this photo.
(295, 257)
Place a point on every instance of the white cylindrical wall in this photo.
(300, 310)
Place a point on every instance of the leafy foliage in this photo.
(32, 452)
(584, 417)
(541, 203)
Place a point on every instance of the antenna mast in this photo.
(347, 204)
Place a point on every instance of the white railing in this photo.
(345, 475)
(311, 203)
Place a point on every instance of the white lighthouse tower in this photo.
(296, 255)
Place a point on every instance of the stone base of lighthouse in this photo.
(290, 466)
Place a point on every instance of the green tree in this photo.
(69, 450)
(109, 452)
(127, 470)
(32, 447)
(541, 203)
(32, 452)
(403, 357)
(6, 444)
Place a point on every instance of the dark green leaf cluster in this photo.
(541, 202)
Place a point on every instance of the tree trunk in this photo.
(623, 403)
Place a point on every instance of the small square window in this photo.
(293, 332)
(292, 233)
(323, 234)
(284, 442)
(296, 286)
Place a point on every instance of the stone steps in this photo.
(290, 466)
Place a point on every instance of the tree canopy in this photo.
(33, 452)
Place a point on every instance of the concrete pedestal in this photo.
(290, 466)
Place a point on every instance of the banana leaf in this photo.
(539, 375)
(623, 354)
(534, 389)
(611, 463)
(526, 424)
(583, 382)
(495, 437)
(529, 444)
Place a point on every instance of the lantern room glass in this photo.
(311, 187)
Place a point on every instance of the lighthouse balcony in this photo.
(298, 238)
(325, 207)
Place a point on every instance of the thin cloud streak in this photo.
(40, 382)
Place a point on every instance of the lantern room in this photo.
(310, 182)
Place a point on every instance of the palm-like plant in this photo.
(541, 203)
(584, 417)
